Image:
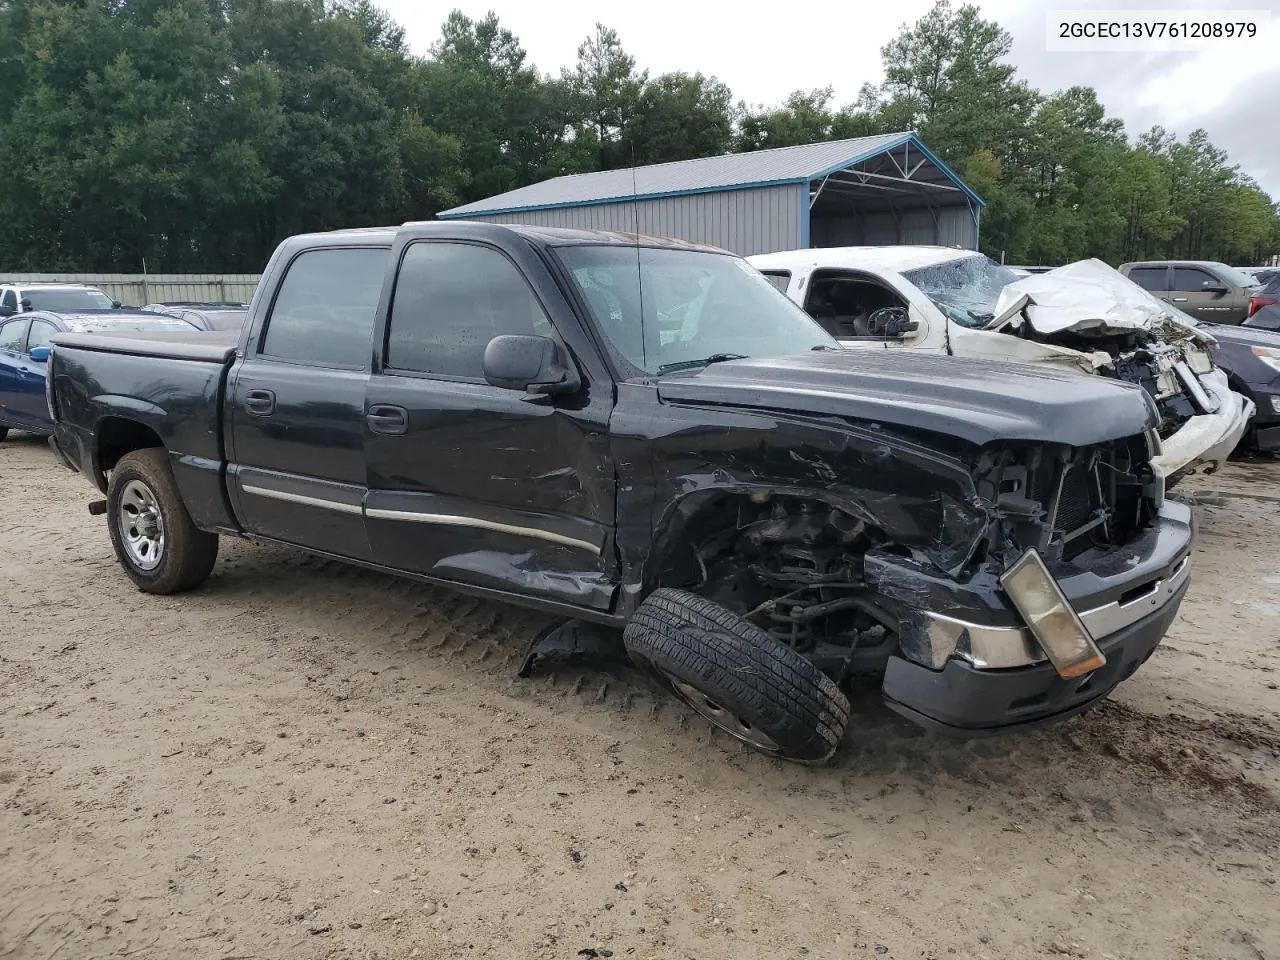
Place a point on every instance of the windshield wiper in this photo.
(705, 361)
(981, 317)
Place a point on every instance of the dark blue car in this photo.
(25, 339)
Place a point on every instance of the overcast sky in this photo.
(1227, 90)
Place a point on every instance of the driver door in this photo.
(842, 301)
(474, 483)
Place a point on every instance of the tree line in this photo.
(195, 134)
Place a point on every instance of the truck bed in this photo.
(117, 391)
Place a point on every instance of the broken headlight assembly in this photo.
(1060, 632)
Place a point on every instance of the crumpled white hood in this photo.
(1090, 297)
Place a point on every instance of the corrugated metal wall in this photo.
(135, 289)
(954, 227)
(758, 220)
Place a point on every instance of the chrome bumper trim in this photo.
(1001, 648)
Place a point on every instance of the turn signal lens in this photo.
(1061, 633)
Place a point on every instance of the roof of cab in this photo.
(895, 258)
(550, 236)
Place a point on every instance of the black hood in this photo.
(976, 400)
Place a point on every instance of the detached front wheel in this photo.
(156, 542)
(737, 676)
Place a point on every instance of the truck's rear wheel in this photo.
(737, 676)
(155, 540)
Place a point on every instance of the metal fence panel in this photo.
(136, 289)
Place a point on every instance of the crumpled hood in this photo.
(1089, 297)
(976, 400)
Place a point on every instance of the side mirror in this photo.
(532, 364)
(891, 323)
(24, 303)
(1213, 286)
(39, 354)
(116, 304)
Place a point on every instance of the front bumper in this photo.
(967, 701)
(1209, 438)
(967, 661)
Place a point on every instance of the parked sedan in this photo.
(24, 351)
(207, 316)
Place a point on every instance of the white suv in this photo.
(56, 297)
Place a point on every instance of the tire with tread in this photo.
(4, 432)
(189, 552)
(742, 669)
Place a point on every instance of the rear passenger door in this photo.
(480, 484)
(296, 405)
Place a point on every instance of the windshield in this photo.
(965, 289)
(65, 301)
(696, 307)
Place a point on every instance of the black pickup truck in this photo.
(645, 434)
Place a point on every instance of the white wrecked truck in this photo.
(1084, 316)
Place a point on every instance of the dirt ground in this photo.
(307, 760)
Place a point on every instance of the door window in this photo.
(10, 300)
(451, 299)
(1150, 278)
(323, 312)
(41, 334)
(1192, 279)
(11, 334)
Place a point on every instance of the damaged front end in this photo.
(834, 585)
(1115, 328)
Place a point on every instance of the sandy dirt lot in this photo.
(306, 760)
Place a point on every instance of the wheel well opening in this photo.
(790, 562)
(117, 437)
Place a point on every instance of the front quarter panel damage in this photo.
(673, 461)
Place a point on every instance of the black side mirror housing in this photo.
(24, 304)
(535, 365)
(891, 323)
(116, 304)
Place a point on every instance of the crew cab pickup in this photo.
(645, 434)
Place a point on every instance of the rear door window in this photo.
(451, 299)
(1150, 278)
(323, 312)
(10, 300)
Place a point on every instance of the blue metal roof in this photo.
(735, 171)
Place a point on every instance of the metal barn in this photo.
(866, 191)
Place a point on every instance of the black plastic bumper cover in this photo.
(967, 702)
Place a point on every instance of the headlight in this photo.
(1269, 356)
(1275, 404)
(1061, 633)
